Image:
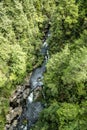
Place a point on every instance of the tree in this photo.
(17, 63)
(64, 22)
(21, 26)
(62, 116)
(66, 91)
(66, 75)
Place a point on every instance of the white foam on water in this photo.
(30, 98)
(45, 44)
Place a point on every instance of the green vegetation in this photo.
(66, 77)
(22, 27)
(22, 24)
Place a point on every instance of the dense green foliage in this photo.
(22, 27)
(68, 21)
(66, 76)
(22, 24)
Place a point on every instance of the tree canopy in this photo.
(66, 77)
(22, 28)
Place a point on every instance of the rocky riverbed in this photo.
(25, 103)
(17, 101)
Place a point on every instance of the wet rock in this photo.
(38, 94)
(26, 93)
(19, 95)
(14, 113)
(17, 100)
(18, 114)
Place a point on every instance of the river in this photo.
(33, 107)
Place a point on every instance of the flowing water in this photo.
(33, 108)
